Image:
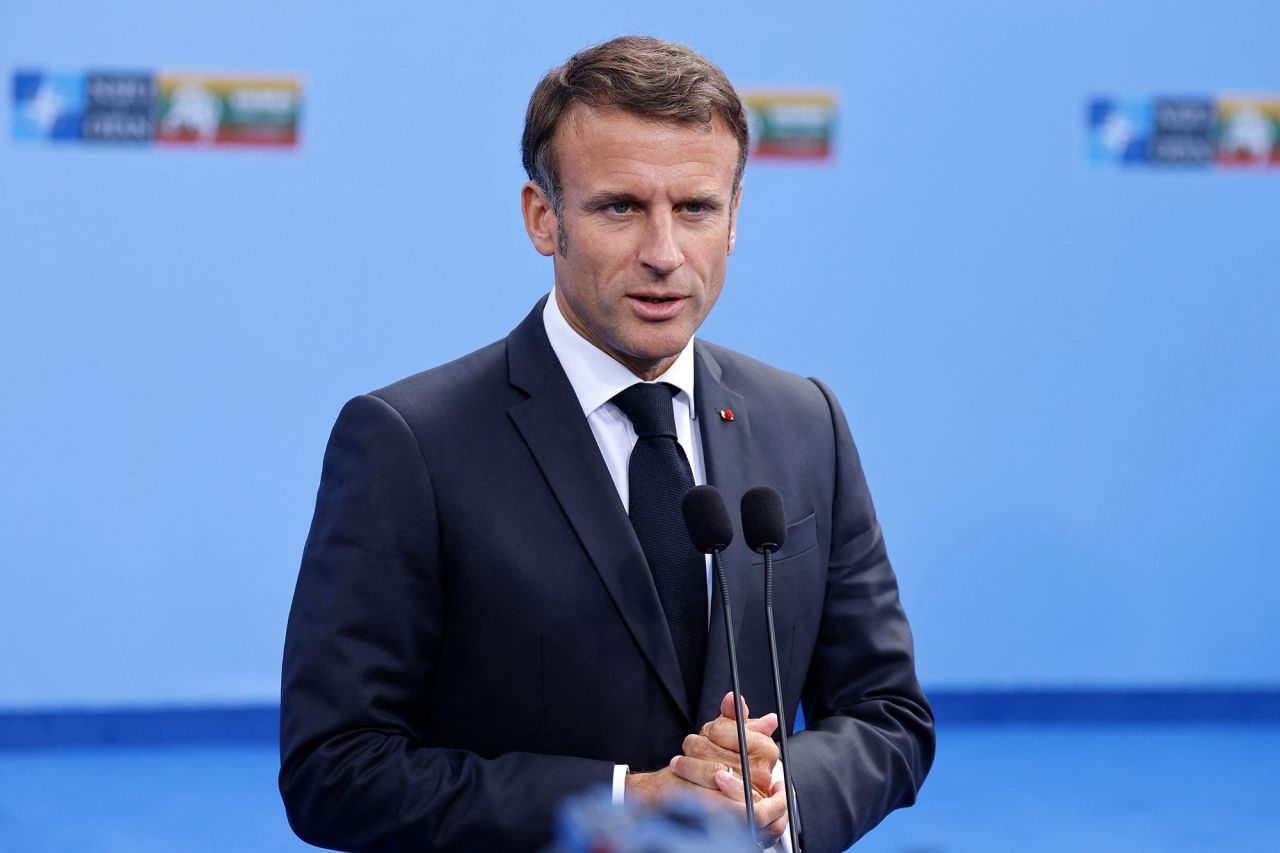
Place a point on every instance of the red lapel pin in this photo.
(726, 414)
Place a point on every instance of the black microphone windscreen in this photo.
(764, 523)
(707, 519)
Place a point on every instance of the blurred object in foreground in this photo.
(592, 823)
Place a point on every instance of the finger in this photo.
(724, 734)
(765, 725)
(775, 830)
(697, 746)
(761, 758)
(712, 797)
(760, 755)
(762, 747)
(727, 710)
(730, 784)
(723, 731)
(771, 811)
(697, 771)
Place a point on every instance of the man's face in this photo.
(648, 213)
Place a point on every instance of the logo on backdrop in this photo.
(1236, 130)
(143, 107)
(48, 106)
(790, 124)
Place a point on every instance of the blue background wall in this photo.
(1063, 377)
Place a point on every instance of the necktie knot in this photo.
(648, 406)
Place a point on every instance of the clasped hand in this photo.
(710, 767)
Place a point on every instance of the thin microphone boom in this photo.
(764, 527)
(712, 531)
(737, 692)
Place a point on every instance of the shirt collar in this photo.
(595, 376)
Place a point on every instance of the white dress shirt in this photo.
(596, 378)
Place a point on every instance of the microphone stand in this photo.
(783, 726)
(718, 561)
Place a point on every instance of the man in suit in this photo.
(483, 622)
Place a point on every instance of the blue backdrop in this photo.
(1062, 376)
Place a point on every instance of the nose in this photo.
(660, 249)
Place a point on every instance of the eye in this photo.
(620, 207)
(695, 207)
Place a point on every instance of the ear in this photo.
(539, 219)
(733, 220)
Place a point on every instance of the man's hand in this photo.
(711, 761)
(770, 811)
(715, 748)
(694, 773)
(660, 785)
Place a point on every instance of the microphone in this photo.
(707, 519)
(764, 527)
(711, 531)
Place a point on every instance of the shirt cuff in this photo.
(620, 772)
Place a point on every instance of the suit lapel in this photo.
(556, 432)
(726, 450)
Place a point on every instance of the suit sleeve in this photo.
(360, 767)
(869, 739)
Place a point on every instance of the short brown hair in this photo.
(640, 74)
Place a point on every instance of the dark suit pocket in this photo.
(802, 537)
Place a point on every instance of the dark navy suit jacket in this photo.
(475, 633)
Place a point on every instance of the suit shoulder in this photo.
(750, 375)
(451, 387)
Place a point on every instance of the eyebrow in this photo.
(705, 199)
(607, 197)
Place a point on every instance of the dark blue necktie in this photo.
(658, 476)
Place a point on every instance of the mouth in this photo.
(657, 307)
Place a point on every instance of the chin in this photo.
(656, 353)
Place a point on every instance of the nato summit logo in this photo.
(118, 107)
(142, 108)
(48, 106)
(1195, 131)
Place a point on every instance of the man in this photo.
(487, 619)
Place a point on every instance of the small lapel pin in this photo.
(726, 414)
